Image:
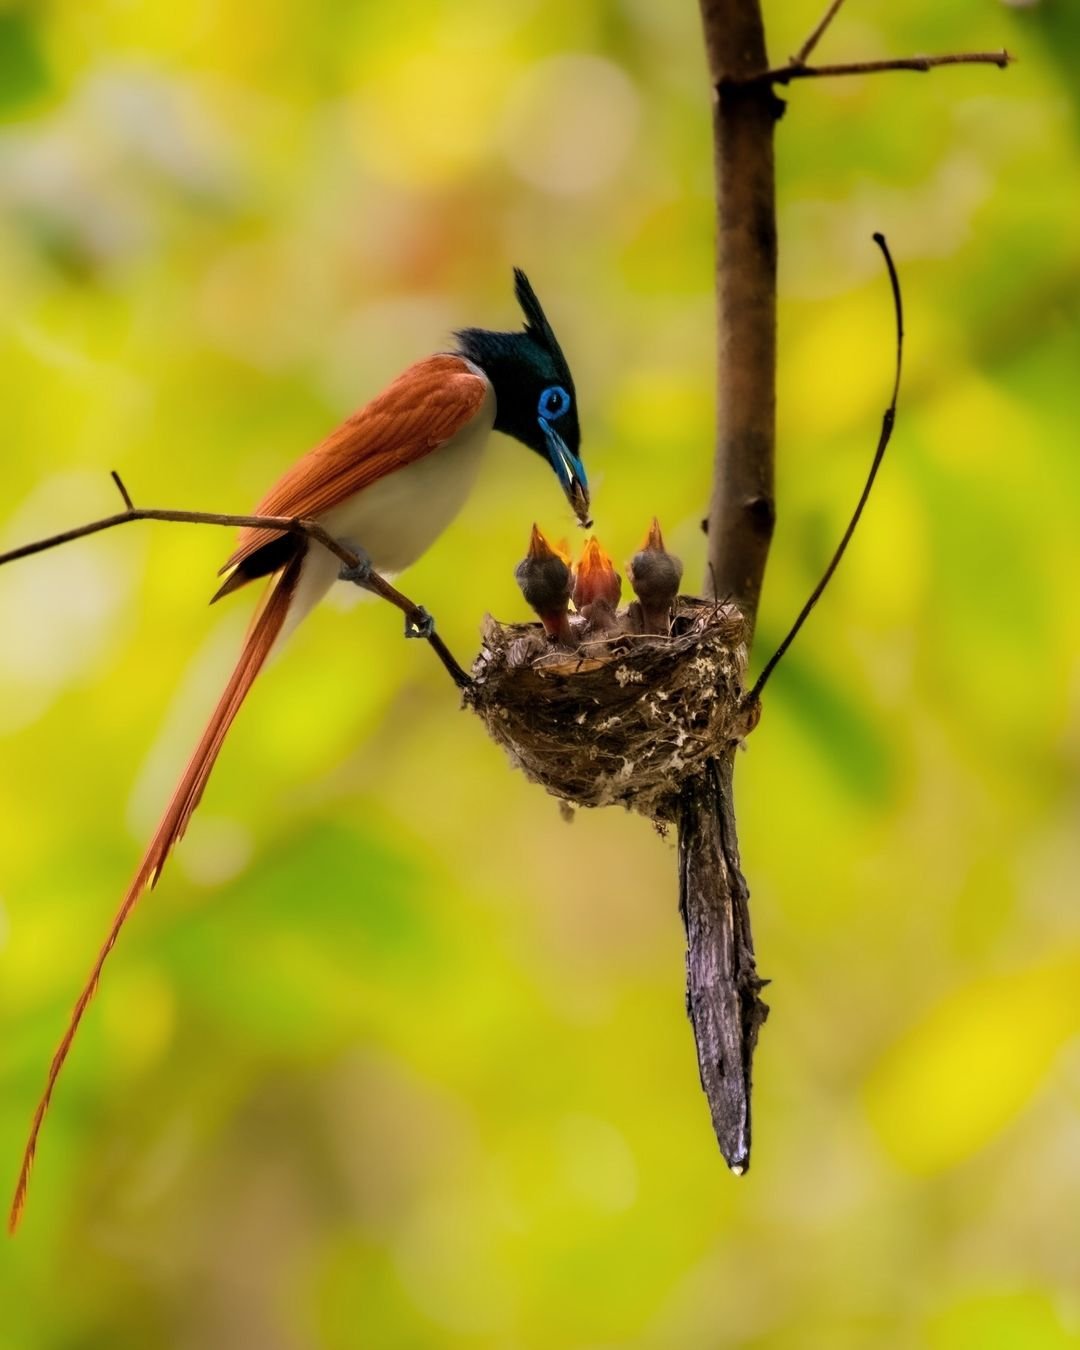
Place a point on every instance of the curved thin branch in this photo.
(887, 423)
(417, 620)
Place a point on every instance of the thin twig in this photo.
(416, 616)
(279, 524)
(887, 423)
(122, 490)
(797, 71)
(800, 57)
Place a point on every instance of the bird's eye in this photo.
(554, 401)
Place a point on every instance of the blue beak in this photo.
(569, 470)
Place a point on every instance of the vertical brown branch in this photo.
(722, 982)
(742, 510)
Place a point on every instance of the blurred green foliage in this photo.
(393, 1057)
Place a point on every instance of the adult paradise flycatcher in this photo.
(386, 484)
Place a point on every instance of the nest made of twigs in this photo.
(621, 719)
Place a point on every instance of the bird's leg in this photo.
(419, 624)
(360, 572)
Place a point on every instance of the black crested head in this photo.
(535, 401)
(522, 366)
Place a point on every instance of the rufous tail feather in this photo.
(260, 639)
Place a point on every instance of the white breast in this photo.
(398, 518)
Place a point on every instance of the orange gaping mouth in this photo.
(596, 577)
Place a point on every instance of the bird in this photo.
(597, 588)
(546, 582)
(385, 483)
(655, 575)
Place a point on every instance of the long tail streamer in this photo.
(257, 647)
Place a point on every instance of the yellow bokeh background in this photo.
(393, 1056)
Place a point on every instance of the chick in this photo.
(655, 575)
(597, 589)
(546, 582)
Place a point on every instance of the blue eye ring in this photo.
(554, 402)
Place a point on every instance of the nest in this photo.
(623, 719)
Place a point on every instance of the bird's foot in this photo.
(358, 573)
(419, 624)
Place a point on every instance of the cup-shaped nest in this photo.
(622, 719)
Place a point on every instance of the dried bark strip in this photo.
(722, 983)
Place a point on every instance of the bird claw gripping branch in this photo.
(419, 624)
(359, 573)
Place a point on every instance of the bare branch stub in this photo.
(798, 69)
(122, 490)
(801, 56)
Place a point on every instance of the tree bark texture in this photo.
(722, 982)
(742, 511)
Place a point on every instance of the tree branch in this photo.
(800, 57)
(122, 489)
(721, 978)
(417, 620)
(742, 510)
(796, 70)
(887, 422)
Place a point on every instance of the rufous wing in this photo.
(423, 408)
